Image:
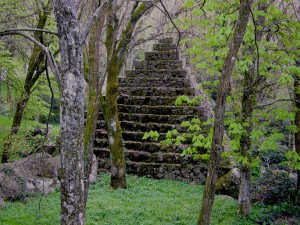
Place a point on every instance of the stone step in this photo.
(180, 172)
(143, 127)
(148, 118)
(142, 156)
(161, 47)
(127, 135)
(156, 91)
(158, 65)
(137, 136)
(146, 100)
(155, 82)
(161, 110)
(168, 55)
(150, 147)
(166, 40)
(160, 74)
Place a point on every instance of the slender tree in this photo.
(35, 69)
(93, 77)
(116, 54)
(223, 89)
(251, 80)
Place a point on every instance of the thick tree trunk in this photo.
(223, 89)
(93, 101)
(114, 131)
(71, 113)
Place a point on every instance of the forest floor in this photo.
(146, 201)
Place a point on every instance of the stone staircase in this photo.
(146, 102)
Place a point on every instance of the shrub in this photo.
(272, 187)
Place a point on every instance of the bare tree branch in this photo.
(92, 20)
(30, 29)
(50, 56)
(273, 102)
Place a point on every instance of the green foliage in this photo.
(191, 102)
(167, 203)
(23, 144)
(154, 135)
(272, 188)
(293, 160)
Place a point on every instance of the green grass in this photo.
(146, 201)
(26, 126)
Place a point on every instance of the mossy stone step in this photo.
(153, 118)
(158, 65)
(155, 82)
(146, 100)
(161, 74)
(156, 91)
(142, 156)
(161, 47)
(167, 55)
(161, 110)
(142, 127)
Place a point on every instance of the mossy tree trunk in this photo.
(1, 99)
(297, 135)
(35, 69)
(71, 112)
(248, 104)
(223, 89)
(93, 99)
(8, 95)
(116, 54)
(251, 81)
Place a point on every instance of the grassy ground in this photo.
(20, 143)
(146, 201)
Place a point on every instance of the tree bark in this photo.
(116, 54)
(223, 89)
(8, 93)
(71, 112)
(248, 105)
(1, 99)
(35, 69)
(118, 170)
(297, 135)
(93, 100)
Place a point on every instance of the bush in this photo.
(273, 187)
(273, 158)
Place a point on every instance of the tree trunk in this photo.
(71, 112)
(114, 131)
(15, 127)
(93, 101)
(1, 99)
(297, 135)
(223, 89)
(35, 69)
(248, 105)
(8, 93)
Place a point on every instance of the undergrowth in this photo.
(146, 201)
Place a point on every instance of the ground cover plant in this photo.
(146, 201)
